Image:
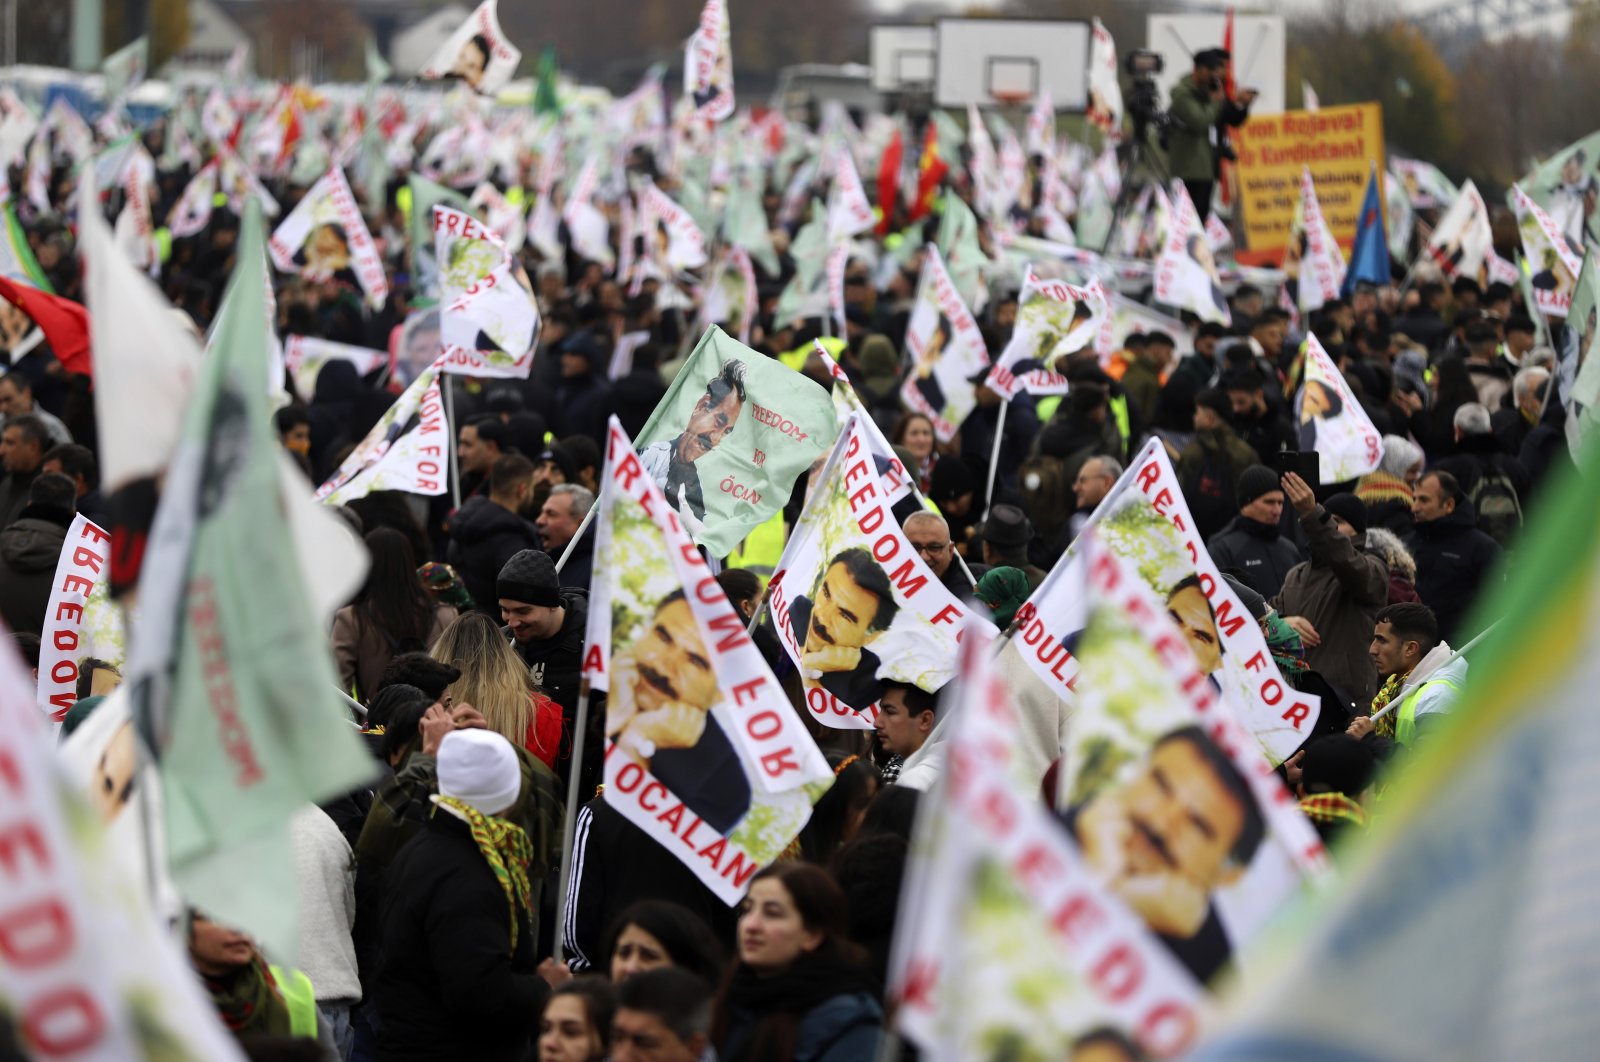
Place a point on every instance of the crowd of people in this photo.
(430, 925)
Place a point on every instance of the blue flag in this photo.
(1369, 258)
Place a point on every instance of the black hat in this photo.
(1254, 482)
(950, 480)
(530, 577)
(583, 344)
(1337, 762)
(1007, 525)
(1212, 58)
(563, 460)
(1349, 508)
(1253, 602)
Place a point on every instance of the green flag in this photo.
(730, 437)
(425, 195)
(545, 98)
(16, 257)
(125, 68)
(1561, 183)
(378, 68)
(744, 222)
(964, 258)
(806, 295)
(231, 676)
(1586, 301)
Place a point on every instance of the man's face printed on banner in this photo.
(673, 665)
(842, 612)
(1188, 608)
(708, 425)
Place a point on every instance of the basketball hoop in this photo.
(1012, 99)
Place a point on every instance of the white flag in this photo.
(1332, 422)
(488, 322)
(946, 350)
(1041, 131)
(1054, 319)
(407, 450)
(1321, 262)
(326, 237)
(478, 54)
(79, 621)
(144, 360)
(1186, 272)
(587, 226)
(1463, 238)
(1105, 89)
(849, 213)
(708, 64)
(1553, 267)
(304, 357)
(672, 236)
(704, 752)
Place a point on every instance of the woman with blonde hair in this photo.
(496, 682)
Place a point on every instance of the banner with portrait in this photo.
(708, 64)
(1554, 267)
(304, 357)
(672, 237)
(325, 238)
(896, 482)
(703, 751)
(730, 437)
(1186, 271)
(1313, 255)
(1054, 318)
(853, 602)
(407, 450)
(1151, 732)
(1463, 238)
(1008, 943)
(1330, 420)
(1145, 522)
(488, 321)
(946, 351)
(80, 620)
(587, 227)
(478, 54)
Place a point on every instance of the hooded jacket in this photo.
(1257, 551)
(1434, 701)
(1453, 558)
(1339, 590)
(483, 536)
(29, 550)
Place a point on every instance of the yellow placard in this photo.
(1340, 144)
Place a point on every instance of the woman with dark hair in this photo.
(1452, 387)
(915, 433)
(894, 810)
(576, 1026)
(800, 990)
(837, 816)
(654, 933)
(393, 614)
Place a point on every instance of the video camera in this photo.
(1144, 98)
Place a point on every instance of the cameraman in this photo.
(1199, 107)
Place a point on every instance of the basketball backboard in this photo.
(1258, 52)
(988, 61)
(902, 57)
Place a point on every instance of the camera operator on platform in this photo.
(1200, 111)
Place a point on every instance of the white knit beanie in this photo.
(479, 767)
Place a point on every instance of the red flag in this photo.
(65, 323)
(889, 182)
(1225, 171)
(930, 172)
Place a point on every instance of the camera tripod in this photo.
(1140, 168)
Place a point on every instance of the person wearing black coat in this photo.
(1253, 544)
(1453, 557)
(487, 532)
(458, 977)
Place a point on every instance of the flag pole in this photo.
(994, 457)
(1452, 658)
(588, 518)
(450, 420)
(570, 820)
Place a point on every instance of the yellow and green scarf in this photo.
(505, 845)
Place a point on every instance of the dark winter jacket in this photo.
(1208, 471)
(556, 662)
(29, 550)
(614, 864)
(483, 536)
(1453, 561)
(449, 985)
(1258, 551)
(842, 1028)
(1339, 590)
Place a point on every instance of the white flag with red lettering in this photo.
(703, 751)
(488, 322)
(325, 238)
(79, 621)
(407, 450)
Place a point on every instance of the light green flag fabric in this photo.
(425, 195)
(1585, 301)
(964, 258)
(806, 295)
(125, 68)
(1559, 183)
(231, 676)
(728, 464)
(744, 224)
(378, 68)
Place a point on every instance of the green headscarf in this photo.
(1003, 590)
